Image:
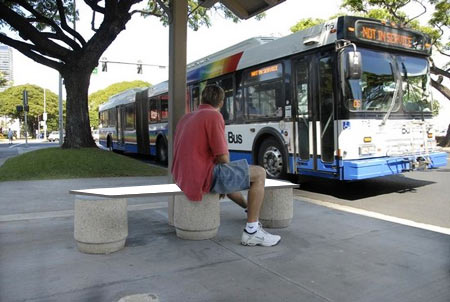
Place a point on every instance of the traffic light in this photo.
(139, 69)
(104, 66)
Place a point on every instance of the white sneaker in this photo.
(260, 237)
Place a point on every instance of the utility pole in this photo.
(25, 110)
(61, 126)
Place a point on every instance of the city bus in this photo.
(348, 100)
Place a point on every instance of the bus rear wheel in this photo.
(161, 151)
(271, 158)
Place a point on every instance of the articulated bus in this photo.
(349, 99)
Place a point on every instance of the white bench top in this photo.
(159, 190)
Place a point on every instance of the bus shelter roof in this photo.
(244, 9)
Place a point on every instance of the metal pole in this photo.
(61, 126)
(44, 117)
(26, 128)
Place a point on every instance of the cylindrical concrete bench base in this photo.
(140, 298)
(100, 224)
(197, 220)
(192, 235)
(277, 209)
(101, 248)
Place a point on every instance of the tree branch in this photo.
(42, 19)
(93, 4)
(441, 88)
(67, 28)
(166, 9)
(29, 51)
(29, 32)
(144, 12)
(424, 11)
(392, 9)
(437, 71)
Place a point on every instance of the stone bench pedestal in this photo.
(197, 220)
(277, 209)
(100, 224)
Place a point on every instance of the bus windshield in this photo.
(375, 90)
(416, 96)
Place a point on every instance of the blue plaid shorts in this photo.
(231, 177)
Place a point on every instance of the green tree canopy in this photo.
(306, 23)
(3, 80)
(101, 96)
(46, 35)
(12, 97)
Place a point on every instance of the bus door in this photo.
(315, 116)
(120, 126)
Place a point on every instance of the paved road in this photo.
(19, 147)
(420, 196)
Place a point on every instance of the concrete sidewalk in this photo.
(325, 255)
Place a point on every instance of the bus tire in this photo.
(272, 158)
(161, 151)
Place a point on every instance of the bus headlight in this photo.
(367, 149)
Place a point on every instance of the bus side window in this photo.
(262, 100)
(153, 111)
(228, 103)
(164, 108)
(239, 103)
(195, 97)
(130, 118)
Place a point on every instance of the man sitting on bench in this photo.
(201, 165)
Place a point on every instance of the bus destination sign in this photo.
(390, 36)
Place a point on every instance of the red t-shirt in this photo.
(199, 138)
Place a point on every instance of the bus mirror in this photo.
(354, 67)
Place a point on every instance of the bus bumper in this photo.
(376, 167)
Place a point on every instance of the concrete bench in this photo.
(101, 217)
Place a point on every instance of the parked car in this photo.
(54, 136)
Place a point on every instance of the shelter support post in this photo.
(177, 77)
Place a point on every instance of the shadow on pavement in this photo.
(363, 188)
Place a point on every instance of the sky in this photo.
(147, 40)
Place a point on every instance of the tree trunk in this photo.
(78, 131)
(446, 140)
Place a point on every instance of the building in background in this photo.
(6, 65)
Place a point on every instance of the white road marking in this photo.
(424, 226)
(17, 145)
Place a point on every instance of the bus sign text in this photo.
(390, 36)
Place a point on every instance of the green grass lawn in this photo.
(57, 163)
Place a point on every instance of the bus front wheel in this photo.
(271, 158)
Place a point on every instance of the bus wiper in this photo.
(404, 71)
(397, 90)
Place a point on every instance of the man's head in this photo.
(213, 95)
